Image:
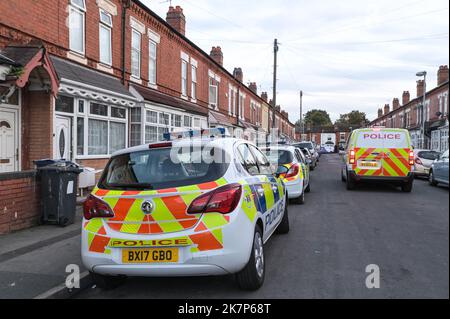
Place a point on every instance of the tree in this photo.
(352, 119)
(318, 118)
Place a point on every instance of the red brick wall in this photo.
(19, 202)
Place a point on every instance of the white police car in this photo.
(195, 206)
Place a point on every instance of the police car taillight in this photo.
(94, 207)
(221, 200)
(293, 171)
(411, 158)
(352, 157)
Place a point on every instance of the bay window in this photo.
(105, 38)
(77, 11)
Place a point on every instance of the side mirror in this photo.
(281, 170)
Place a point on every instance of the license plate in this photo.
(368, 164)
(150, 255)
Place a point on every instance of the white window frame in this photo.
(108, 27)
(75, 8)
(194, 87)
(139, 51)
(184, 78)
(86, 116)
(213, 101)
(152, 78)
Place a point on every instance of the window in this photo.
(152, 63)
(99, 109)
(197, 123)
(98, 137)
(77, 11)
(263, 163)
(176, 120)
(241, 106)
(117, 136)
(80, 135)
(151, 134)
(164, 119)
(80, 106)
(135, 127)
(247, 160)
(187, 121)
(135, 54)
(213, 98)
(184, 66)
(105, 38)
(64, 104)
(194, 83)
(152, 117)
(118, 113)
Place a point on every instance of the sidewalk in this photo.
(34, 260)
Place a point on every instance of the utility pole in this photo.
(301, 113)
(274, 99)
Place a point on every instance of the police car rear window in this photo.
(382, 139)
(164, 168)
(280, 157)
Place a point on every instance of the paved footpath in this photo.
(33, 261)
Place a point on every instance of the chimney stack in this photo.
(442, 74)
(253, 87)
(264, 96)
(217, 55)
(406, 97)
(175, 17)
(380, 113)
(238, 75)
(271, 102)
(386, 109)
(395, 104)
(420, 88)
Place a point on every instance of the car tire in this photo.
(311, 168)
(342, 176)
(283, 227)
(107, 282)
(300, 200)
(431, 179)
(308, 188)
(350, 183)
(407, 187)
(253, 274)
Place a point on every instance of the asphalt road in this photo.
(333, 237)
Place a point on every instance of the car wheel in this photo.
(431, 179)
(311, 167)
(300, 200)
(350, 183)
(342, 176)
(252, 276)
(407, 187)
(283, 227)
(308, 188)
(107, 282)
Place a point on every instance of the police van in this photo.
(379, 154)
(197, 204)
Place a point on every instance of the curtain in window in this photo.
(151, 134)
(98, 137)
(76, 31)
(116, 137)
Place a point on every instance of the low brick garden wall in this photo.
(19, 201)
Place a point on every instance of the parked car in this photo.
(177, 208)
(439, 170)
(292, 167)
(423, 159)
(311, 146)
(309, 158)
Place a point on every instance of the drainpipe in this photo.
(126, 4)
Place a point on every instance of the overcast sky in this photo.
(344, 55)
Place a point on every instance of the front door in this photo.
(8, 141)
(63, 138)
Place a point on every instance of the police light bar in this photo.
(208, 133)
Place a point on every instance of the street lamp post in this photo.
(424, 74)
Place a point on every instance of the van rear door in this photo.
(368, 154)
(397, 147)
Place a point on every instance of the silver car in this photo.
(439, 170)
(423, 159)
